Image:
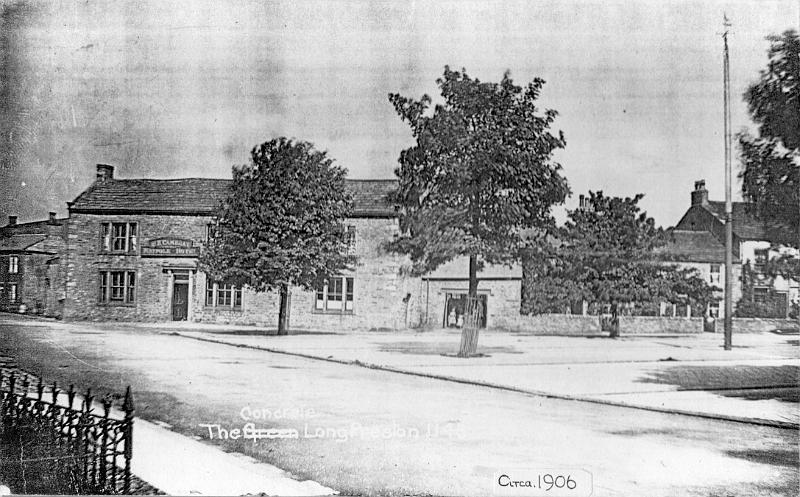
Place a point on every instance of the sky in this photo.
(187, 88)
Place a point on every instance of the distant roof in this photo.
(202, 196)
(745, 225)
(692, 246)
(19, 243)
(32, 226)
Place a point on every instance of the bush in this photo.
(752, 309)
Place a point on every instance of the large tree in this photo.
(770, 171)
(604, 254)
(282, 222)
(480, 172)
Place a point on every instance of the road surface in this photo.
(368, 432)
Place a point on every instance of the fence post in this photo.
(128, 408)
(87, 432)
(55, 419)
(23, 400)
(2, 396)
(103, 462)
(39, 396)
(12, 397)
(71, 415)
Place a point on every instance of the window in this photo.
(760, 295)
(12, 292)
(713, 310)
(13, 264)
(119, 237)
(117, 287)
(760, 256)
(350, 238)
(223, 295)
(714, 278)
(210, 230)
(335, 295)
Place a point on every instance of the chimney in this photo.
(700, 194)
(52, 219)
(104, 172)
(12, 220)
(581, 202)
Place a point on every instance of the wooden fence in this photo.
(101, 444)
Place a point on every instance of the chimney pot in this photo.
(700, 194)
(12, 220)
(105, 172)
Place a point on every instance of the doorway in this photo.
(455, 305)
(180, 297)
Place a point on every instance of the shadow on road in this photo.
(746, 382)
(440, 348)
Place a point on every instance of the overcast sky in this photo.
(176, 89)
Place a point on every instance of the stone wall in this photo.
(647, 325)
(85, 260)
(383, 298)
(552, 324)
(37, 289)
(757, 325)
(502, 300)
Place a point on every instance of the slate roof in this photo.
(692, 246)
(31, 226)
(745, 225)
(202, 196)
(19, 243)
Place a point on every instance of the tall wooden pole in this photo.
(728, 201)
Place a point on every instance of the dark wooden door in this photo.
(180, 302)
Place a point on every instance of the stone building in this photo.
(699, 242)
(31, 271)
(132, 256)
(443, 294)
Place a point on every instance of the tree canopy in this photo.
(282, 222)
(479, 173)
(604, 254)
(771, 161)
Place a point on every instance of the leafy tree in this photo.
(774, 100)
(479, 173)
(771, 161)
(281, 224)
(604, 255)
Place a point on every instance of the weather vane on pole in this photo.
(728, 202)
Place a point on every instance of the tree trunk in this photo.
(469, 334)
(283, 312)
(614, 321)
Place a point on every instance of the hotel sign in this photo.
(170, 247)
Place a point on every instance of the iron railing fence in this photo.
(100, 443)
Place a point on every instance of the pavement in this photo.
(179, 465)
(756, 382)
(186, 378)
